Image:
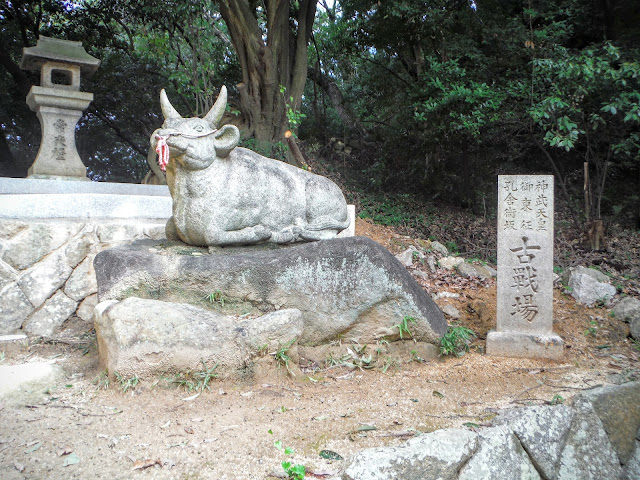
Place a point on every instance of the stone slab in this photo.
(29, 185)
(500, 456)
(438, 454)
(84, 206)
(351, 287)
(16, 377)
(524, 345)
(542, 431)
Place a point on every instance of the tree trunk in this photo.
(347, 116)
(271, 53)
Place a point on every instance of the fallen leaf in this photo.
(142, 464)
(437, 394)
(66, 450)
(321, 417)
(330, 455)
(19, 467)
(70, 459)
(189, 430)
(196, 419)
(166, 424)
(366, 428)
(33, 448)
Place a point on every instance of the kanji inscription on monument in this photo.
(525, 269)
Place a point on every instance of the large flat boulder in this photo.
(350, 287)
(148, 338)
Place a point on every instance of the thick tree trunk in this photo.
(269, 59)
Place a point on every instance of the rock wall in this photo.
(46, 269)
(596, 437)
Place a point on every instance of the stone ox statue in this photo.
(228, 195)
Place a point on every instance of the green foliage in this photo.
(101, 380)
(456, 341)
(294, 117)
(216, 297)
(276, 150)
(196, 381)
(557, 400)
(126, 383)
(592, 329)
(281, 356)
(293, 471)
(403, 327)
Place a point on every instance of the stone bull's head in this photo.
(196, 142)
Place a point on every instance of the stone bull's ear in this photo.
(225, 140)
(167, 109)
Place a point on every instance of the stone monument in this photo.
(227, 195)
(238, 286)
(59, 103)
(525, 269)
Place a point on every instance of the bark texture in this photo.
(271, 45)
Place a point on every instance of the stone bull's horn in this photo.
(215, 114)
(167, 109)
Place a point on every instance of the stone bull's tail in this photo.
(325, 222)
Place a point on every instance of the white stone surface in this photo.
(542, 431)
(450, 263)
(85, 310)
(525, 268)
(586, 289)
(44, 278)
(50, 317)
(435, 455)
(38, 186)
(439, 248)
(7, 274)
(84, 206)
(350, 231)
(33, 244)
(17, 377)
(14, 308)
(406, 257)
(82, 281)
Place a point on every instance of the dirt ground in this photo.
(74, 426)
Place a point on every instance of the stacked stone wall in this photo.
(46, 269)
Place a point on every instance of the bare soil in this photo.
(158, 430)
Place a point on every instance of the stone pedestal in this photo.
(58, 111)
(525, 269)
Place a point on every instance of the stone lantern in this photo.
(58, 103)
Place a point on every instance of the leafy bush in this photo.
(456, 341)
